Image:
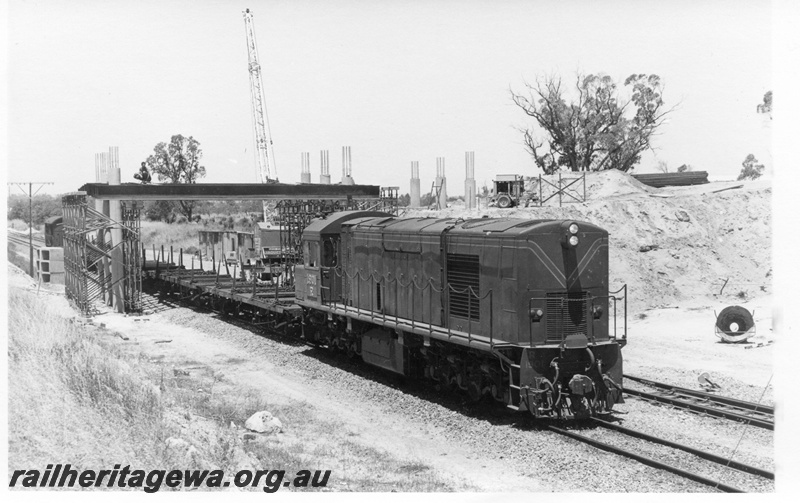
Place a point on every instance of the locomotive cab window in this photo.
(329, 258)
(311, 253)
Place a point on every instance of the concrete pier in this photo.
(305, 168)
(415, 201)
(469, 183)
(440, 183)
(325, 174)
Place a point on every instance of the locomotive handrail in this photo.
(388, 279)
(624, 299)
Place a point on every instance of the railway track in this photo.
(24, 240)
(649, 461)
(751, 413)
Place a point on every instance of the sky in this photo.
(395, 81)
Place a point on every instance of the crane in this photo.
(265, 157)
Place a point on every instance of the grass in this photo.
(73, 399)
(19, 225)
(183, 235)
(77, 396)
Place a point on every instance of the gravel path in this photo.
(416, 417)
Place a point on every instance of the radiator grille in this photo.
(463, 273)
(566, 315)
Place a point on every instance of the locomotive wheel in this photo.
(445, 378)
(474, 390)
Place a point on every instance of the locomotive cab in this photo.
(319, 278)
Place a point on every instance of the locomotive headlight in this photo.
(573, 240)
(597, 312)
(573, 229)
(536, 314)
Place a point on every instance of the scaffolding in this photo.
(101, 269)
(294, 216)
(96, 269)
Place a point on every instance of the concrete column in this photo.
(469, 183)
(325, 175)
(305, 168)
(115, 213)
(441, 181)
(102, 206)
(347, 167)
(415, 201)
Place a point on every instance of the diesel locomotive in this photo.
(518, 310)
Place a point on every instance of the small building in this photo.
(219, 243)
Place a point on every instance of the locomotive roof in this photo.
(332, 224)
(477, 226)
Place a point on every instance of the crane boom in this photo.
(265, 157)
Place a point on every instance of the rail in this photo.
(742, 404)
(645, 460)
(677, 401)
(691, 450)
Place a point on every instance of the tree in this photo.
(766, 106)
(43, 206)
(750, 169)
(597, 132)
(662, 166)
(178, 162)
(161, 211)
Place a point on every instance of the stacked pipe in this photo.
(673, 179)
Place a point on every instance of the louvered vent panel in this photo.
(463, 273)
(566, 314)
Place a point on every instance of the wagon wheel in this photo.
(504, 201)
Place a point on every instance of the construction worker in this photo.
(143, 174)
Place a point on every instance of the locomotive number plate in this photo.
(311, 282)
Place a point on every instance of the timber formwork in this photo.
(96, 269)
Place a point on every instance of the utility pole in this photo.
(30, 195)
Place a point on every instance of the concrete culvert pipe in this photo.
(735, 324)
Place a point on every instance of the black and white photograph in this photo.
(471, 248)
